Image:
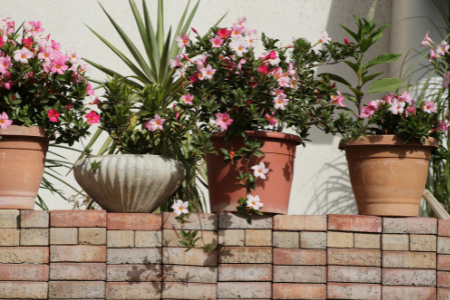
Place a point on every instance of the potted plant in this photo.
(142, 173)
(390, 143)
(245, 101)
(41, 97)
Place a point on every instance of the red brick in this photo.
(444, 228)
(443, 279)
(409, 293)
(354, 274)
(178, 290)
(208, 221)
(409, 277)
(194, 257)
(150, 272)
(77, 271)
(410, 225)
(409, 260)
(76, 289)
(354, 257)
(353, 291)
(300, 274)
(443, 294)
(244, 272)
(23, 290)
(78, 218)
(443, 262)
(137, 290)
(23, 272)
(245, 255)
(298, 291)
(354, 223)
(243, 290)
(24, 255)
(299, 257)
(80, 253)
(300, 223)
(133, 221)
(189, 274)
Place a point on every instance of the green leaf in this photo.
(354, 66)
(357, 93)
(354, 35)
(370, 77)
(365, 44)
(384, 85)
(383, 59)
(160, 26)
(336, 78)
(378, 31)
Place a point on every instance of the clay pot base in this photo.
(389, 209)
(17, 202)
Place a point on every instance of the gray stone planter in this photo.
(130, 182)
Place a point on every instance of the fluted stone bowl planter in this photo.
(130, 182)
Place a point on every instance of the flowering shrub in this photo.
(229, 88)
(41, 86)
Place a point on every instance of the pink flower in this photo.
(4, 121)
(324, 39)
(216, 42)
(23, 55)
(59, 65)
(260, 171)
(36, 26)
(263, 68)
(46, 55)
(432, 55)
(224, 33)
(180, 207)
(374, 105)
(176, 62)
(404, 97)
(366, 112)
(55, 45)
(429, 107)
(53, 115)
(280, 101)
(187, 98)
(5, 63)
(254, 202)
(397, 107)
(442, 48)
(426, 40)
(446, 80)
(411, 110)
(200, 62)
(46, 67)
(241, 21)
(338, 99)
(223, 120)
(271, 119)
(237, 31)
(182, 40)
(442, 126)
(92, 117)
(208, 72)
(193, 78)
(154, 124)
(389, 98)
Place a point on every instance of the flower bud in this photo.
(346, 41)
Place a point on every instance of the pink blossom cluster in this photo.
(34, 45)
(437, 52)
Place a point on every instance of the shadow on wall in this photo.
(334, 193)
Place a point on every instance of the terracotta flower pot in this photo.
(130, 182)
(274, 192)
(22, 158)
(387, 176)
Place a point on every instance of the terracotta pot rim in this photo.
(387, 140)
(23, 131)
(268, 134)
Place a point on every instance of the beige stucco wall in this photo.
(321, 178)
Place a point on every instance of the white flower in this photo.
(239, 47)
(180, 207)
(260, 170)
(397, 107)
(254, 202)
(325, 39)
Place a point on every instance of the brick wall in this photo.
(99, 255)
